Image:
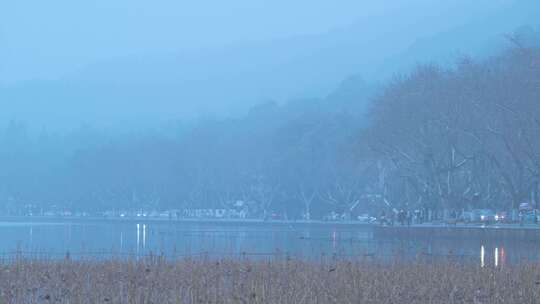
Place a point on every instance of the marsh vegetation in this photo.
(156, 280)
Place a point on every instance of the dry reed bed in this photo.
(157, 280)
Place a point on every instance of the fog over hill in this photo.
(148, 76)
(172, 105)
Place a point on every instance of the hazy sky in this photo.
(43, 39)
(125, 62)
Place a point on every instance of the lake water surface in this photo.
(100, 240)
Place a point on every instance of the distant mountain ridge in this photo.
(228, 81)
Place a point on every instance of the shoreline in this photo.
(480, 232)
(527, 232)
(225, 222)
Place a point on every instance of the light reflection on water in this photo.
(499, 256)
(141, 238)
(482, 256)
(174, 239)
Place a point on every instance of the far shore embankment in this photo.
(517, 232)
(160, 220)
(527, 232)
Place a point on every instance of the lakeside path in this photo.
(242, 222)
(527, 232)
(157, 220)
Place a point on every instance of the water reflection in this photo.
(31, 235)
(138, 237)
(141, 238)
(482, 256)
(144, 236)
(187, 239)
(499, 256)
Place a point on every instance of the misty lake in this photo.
(103, 239)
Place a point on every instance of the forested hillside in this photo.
(436, 138)
(460, 138)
